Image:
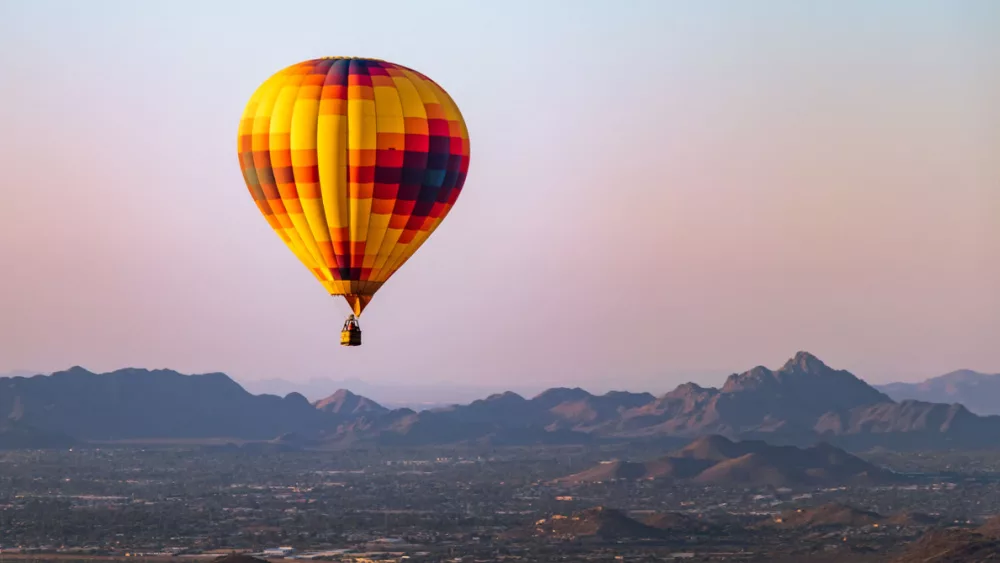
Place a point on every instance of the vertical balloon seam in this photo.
(349, 242)
(264, 109)
(399, 248)
(361, 282)
(374, 283)
(416, 239)
(389, 239)
(254, 149)
(245, 154)
(463, 158)
(325, 68)
(351, 174)
(428, 224)
(335, 270)
(335, 180)
(357, 129)
(343, 195)
(362, 278)
(248, 166)
(405, 89)
(249, 169)
(314, 222)
(288, 88)
(293, 78)
(459, 180)
(367, 188)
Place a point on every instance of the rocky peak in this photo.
(804, 363)
(757, 378)
(345, 402)
(505, 397)
(552, 397)
(297, 398)
(685, 390)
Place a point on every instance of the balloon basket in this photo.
(350, 337)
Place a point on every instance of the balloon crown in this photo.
(356, 59)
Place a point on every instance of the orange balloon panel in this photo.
(354, 163)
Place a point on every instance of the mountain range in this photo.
(715, 460)
(418, 395)
(979, 392)
(802, 402)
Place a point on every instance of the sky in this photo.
(658, 191)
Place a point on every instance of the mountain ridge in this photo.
(802, 402)
(135, 403)
(979, 392)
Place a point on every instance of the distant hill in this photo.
(837, 515)
(677, 523)
(18, 373)
(417, 395)
(979, 392)
(956, 545)
(715, 460)
(802, 402)
(346, 403)
(600, 523)
(929, 424)
(662, 468)
(143, 404)
(832, 515)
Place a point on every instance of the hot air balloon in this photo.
(353, 162)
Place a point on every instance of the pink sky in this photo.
(655, 194)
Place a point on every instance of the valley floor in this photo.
(489, 504)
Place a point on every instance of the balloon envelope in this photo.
(354, 163)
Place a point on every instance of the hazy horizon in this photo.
(655, 191)
(440, 392)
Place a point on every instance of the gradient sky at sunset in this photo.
(659, 191)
